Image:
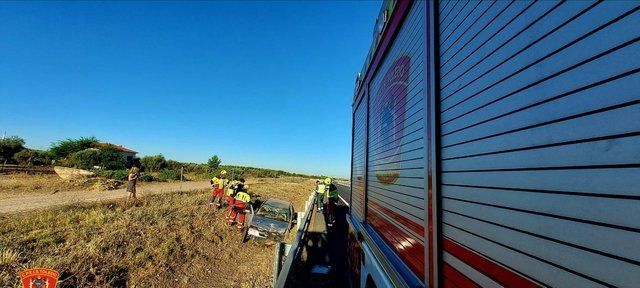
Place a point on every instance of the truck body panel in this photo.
(495, 143)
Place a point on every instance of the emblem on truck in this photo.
(39, 278)
(390, 110)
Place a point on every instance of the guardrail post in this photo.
(299, 220)
(276, 262)
(282, 251)
(286, 249)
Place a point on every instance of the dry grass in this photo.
(169, 240)
(21, 184)
(8, 257)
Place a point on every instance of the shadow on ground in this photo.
(323, 247)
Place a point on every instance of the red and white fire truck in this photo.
(497, 144)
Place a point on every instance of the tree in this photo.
(200, 169)
(153, 163)
(10, 146)
(107, 157)
(174, 165)
(214, 162)
(64, 148)
(190, 167)
(111, 159)
(85, 159)
(32, 157)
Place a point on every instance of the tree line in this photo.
(89, 154)
(82, 153)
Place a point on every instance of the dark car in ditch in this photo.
(272, 221)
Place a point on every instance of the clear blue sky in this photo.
(265, 84)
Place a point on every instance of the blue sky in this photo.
(265, 84)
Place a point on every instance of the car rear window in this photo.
(276, 213)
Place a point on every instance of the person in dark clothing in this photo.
(332, 199)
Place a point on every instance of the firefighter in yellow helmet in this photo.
(332, 198)
(232, 190)
(218, 183)
(243, 200)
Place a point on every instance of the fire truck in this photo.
(497, 144)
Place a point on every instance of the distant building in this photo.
(127, 154)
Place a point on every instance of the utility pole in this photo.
(4, 162)
(181, 173)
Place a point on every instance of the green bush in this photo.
(111, 159)
(168, 175)
(123, 175)
(146, 177)
(191, 167)
(10, 146)
(115, 174)
(200, 169)
(153, 163)
(107, 158)
(69, 146)
(32, 157)
(85, 159)
(174, 165)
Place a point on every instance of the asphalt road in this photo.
(324, 246)
(345, 193)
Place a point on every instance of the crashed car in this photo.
(272, 221)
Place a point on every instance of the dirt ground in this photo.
(23, 192)
(22, 184)
(168, 240)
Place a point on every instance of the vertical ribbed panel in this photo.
(396, 146)
(540, 142)
(358, 160)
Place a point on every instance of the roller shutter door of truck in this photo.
(358, 160)
(396, 146)
(540, 142)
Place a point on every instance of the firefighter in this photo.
(332, 190)
(218, 183)
(232, 190)
(243, 200)
(320, 189)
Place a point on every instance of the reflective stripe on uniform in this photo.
(243, 196)
(230, 189)
(221, 182)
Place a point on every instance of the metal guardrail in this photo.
(281, 272)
